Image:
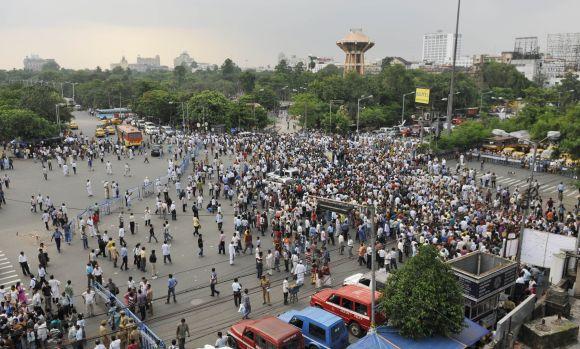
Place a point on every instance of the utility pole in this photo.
(452, 83)
(373, 263)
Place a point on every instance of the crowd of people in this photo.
(417, 197)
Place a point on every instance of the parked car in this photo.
(267, 332)
(321, 329)
(116, 121)
(73, 125)
(351, 303)
(364, 279)
(110, 130)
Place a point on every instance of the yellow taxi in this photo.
(116, 121)
(100, 133)
(73, 125)
(105, 122)
(110, 130)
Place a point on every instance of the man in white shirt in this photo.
(89, 298)
(299, 271)
(23, 260)
(285, 286)
(115, 343)
(237, 289)
(54, 289)
(166, 251)
(122, 241)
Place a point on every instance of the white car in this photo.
(151, 130)
(167, 130)
(364, 279)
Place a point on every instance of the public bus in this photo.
(129, 136)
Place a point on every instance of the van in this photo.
(320, 329)
(267, 332)
(364, 280)
(352, 303)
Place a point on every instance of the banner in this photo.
(422, 95)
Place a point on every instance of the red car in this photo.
(352, 303)
(267, 332)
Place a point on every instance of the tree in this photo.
(266, 97)
(309, 107)
(229, 69)
(51, 65)
(423, 297)
(42, 100)
(248, 81)
(386, 62)
(503, 75)
(24, 124)
(155, 103)
(179, 72)
(210, 106)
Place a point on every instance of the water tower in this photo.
(355, 44)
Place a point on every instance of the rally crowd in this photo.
(418, 198)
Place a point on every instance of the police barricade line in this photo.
(115, 205)
(148, 190)
(149, 339)
(135, 193)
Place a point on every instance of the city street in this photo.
(24, 231)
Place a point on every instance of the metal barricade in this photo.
(135, 193)
(149, 340)
(115, 205)
(148, 190)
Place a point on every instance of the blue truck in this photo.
(321, 329)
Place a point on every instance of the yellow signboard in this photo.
(422, 95)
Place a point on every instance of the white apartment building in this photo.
(438, 48)
(35, 63)
(183, 59)
(565, 46)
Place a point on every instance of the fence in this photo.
(148, 189)
(508, 327)
(135, 193)
(149, 340)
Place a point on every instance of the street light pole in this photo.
(452, 83)
(403, 111)
(373, 263)
(358, 109)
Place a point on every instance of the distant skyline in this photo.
(85, 34)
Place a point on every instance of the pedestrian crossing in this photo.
(8, 274)
(522, 183)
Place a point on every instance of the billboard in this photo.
(422, 95)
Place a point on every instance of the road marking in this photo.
(9, 277)
(8, 266)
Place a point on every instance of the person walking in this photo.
(259, 265)
(285, 286)
(152, 234)
(182, 330)
(89, 188)
(124, 253)
(200, 245)
(232, 252)
(213, 282)
(247, 306)
(265, 284)
(23, 260)
(153, 262)
(57, 237)
(237, 289)
(166, 251)
(171, 284)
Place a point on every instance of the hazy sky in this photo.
(87, 33)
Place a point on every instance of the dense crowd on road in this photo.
(418, 200)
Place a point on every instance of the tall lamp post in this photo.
(362, 98)
(403, 111)
(338, 101)
(452, 83)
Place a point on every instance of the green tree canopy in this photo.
(155, 103)
(210, 106)
(423, 297)
(310, 108)
(24, 124)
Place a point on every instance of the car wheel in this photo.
(355, 329)
(317, 306)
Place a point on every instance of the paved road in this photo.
(24, 231)
(515, 177)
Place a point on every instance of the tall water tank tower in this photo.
(355, 44)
